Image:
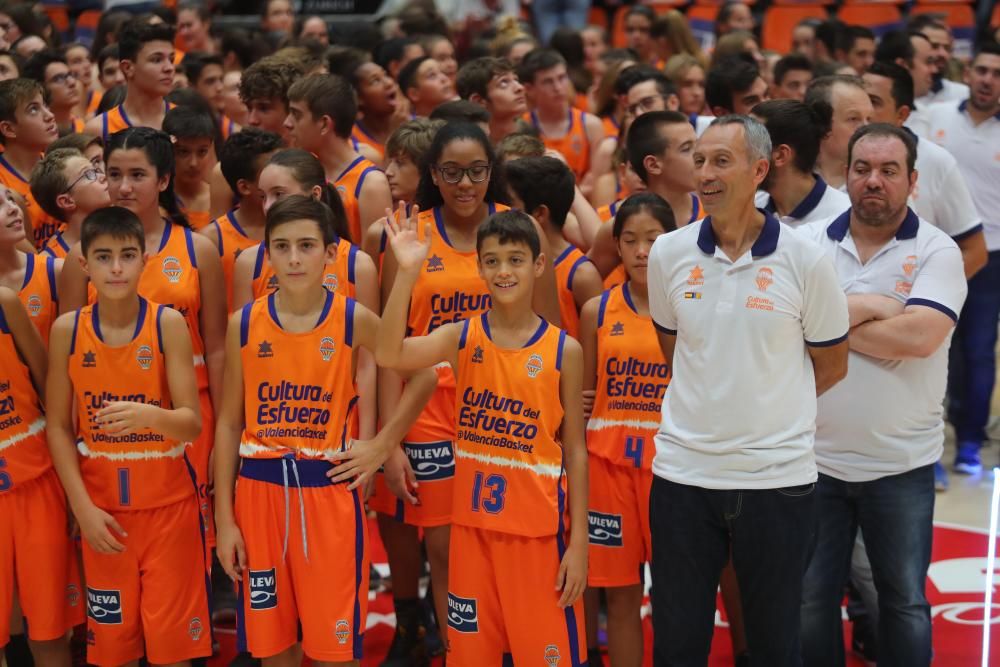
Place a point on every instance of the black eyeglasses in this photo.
(453, 174)
(91, 175)
(63, 78)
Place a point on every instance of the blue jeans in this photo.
(972, 363)
(894, 514)
(552, 14)
(771, 534)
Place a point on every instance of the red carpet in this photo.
(955, 588)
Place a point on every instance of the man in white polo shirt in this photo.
(759, 326)
(970, 131)
(879, 433)
(941, 41)
(791, 191)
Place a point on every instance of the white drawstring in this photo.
(302, 507)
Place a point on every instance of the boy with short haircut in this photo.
(27, 127)
(492, 83)
(146, 58)
(425, 84)
(68, 187)
(520, 430)
(264, 90)
(49, 68)
(290, 360)
(36, 553)
(122, 369)
(543, 187)
(322, 110)
(193, 133)
(109, 71)
(242, 157)
(574, 133)
(204, 73)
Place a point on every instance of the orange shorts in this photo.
(618, 523)
(434, 468)
(38, 559)
(199, 456)
(320, 582)
(502, 599)
(152, 598)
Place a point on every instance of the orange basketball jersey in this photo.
(232, 240)
(24, 454)
(38, 293)
(93, 101)
(339, 276)
(43, 225)
(611, 126)
(508, 457)
(349, 185)
(632, 378)
(449, 289)
(227, 126)
(360, 135)
(300, 392)
(116, 120)
(142, 470)
(197, 219)
(56, 247)
(574, 145)
(607, 213)
(565, 266)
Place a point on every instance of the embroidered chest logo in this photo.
(477, 355)
(89, 360)
(617, 329)
(264, 350)
(904, 286)
(764, 279)
(909, 266)
(696, 277)
(172, 269)
(272, 283)
(145, 357)
(34, 305)
(326, 348)
(434, 264)
(552, 655)
(330, 282)
(534, 365)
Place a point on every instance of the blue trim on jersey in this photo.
(562, 256)
(50, 269)
(312, 472)
(439, 222)
(159, 327)
(218, 237)
(273, 311)
(352, 260)
(828, 343)
(359, 557)
(572, 631)
(104, 126)
(559, 354)
(121, 110)
(29, 269)
(601, 308)
(935, 305)
(572, 271)
(241, 621)
(165, 237)
(95, 320)
(465, 335)
(4, 327)
(231, 216)
(348, 318)
(245, 324)
(539, 332)
(627, 294)
(351, 404)
(189, 241)
(258, 264)
(349, 167)
(361, 180)
(76, 324)
(400, 515)
(695, 208)
(10, 168)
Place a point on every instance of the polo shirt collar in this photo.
(807, 205)
(964, 103)
(837, 229)
(765, 244)
(913, 135)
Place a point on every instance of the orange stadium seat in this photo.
(58, 13)
(598, 17)
(881, 18)
(960, 17)
(780, 20)
(85, 27)
(701, 19)
(995, 19)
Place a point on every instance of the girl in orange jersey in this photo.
(31, 277)
(36, 553)
(625, 377)
(183, 270)
(193, 132)
(123, 408)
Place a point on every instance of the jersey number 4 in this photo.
(488, 493)
(633, 450)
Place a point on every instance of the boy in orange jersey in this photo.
(146, 57)
(493, 84)
(36, 553)
(286, 421)
(68, 187)
(26, 128)
(125, 363)
(574, 133)
(425, 85)
(321, 113)
(193, 133)
(516, 582)
(241, 159)
(543, 187)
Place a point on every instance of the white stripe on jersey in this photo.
(137, 455)
(35, 428)
(543, 469)
(599, 423)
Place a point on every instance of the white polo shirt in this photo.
(977, 151)
(700, 123)
(941, 196)
(885, 417)
(822, 203)
(947, 91)
(740, 410)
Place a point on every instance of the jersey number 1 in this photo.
(495, 486)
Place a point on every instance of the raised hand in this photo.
(408, 248)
